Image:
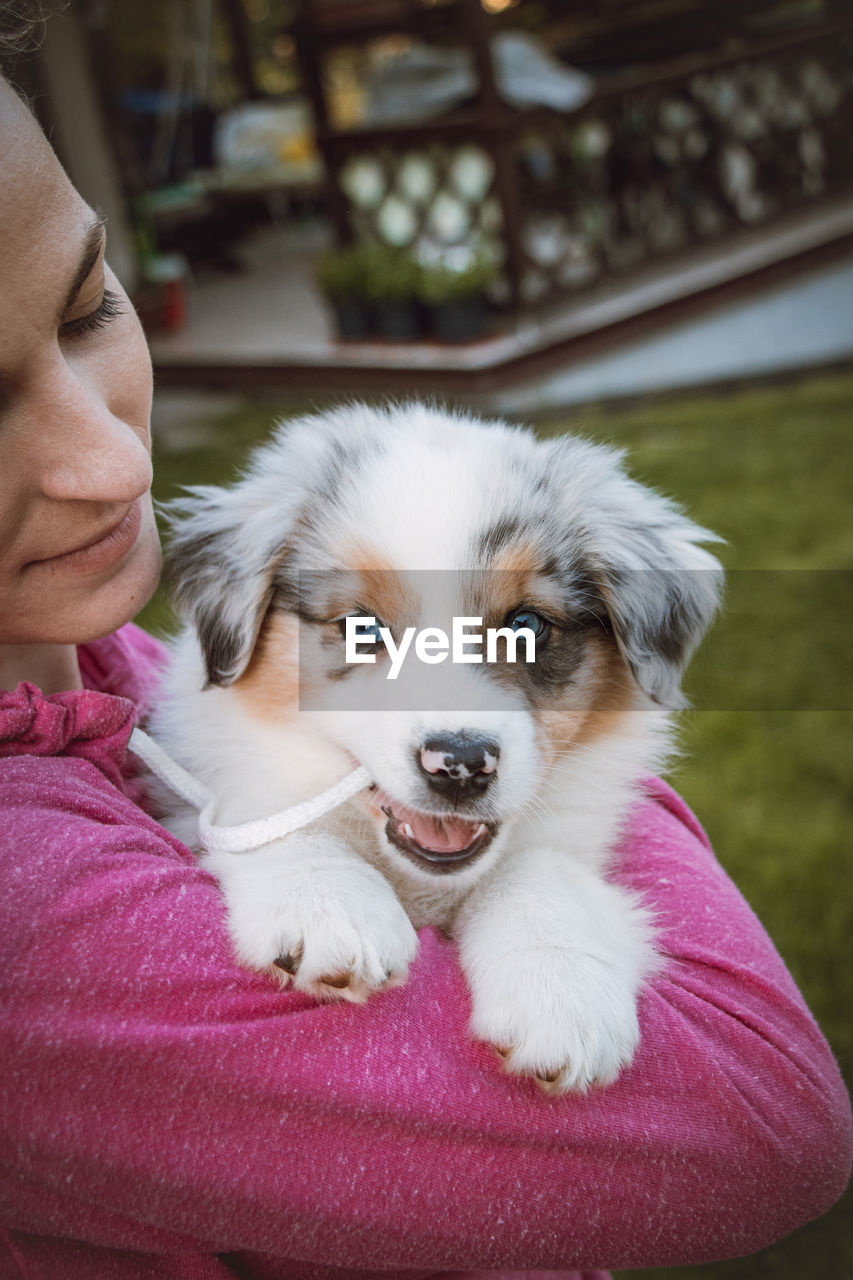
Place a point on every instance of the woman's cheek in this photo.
(125, 369)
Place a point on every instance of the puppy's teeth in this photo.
(408, 832)
(480, 831)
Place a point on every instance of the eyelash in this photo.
(109, 308)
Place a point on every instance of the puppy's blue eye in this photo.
(363, 632)
(371, 632)
(533, 621)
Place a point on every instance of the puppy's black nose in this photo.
(459, 762)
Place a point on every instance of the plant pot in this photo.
(353, 319)
(460, 320)
(398, 319)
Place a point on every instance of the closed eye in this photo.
(109, 308)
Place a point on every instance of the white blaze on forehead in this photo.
(436, 485)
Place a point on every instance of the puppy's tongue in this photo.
(438, 835)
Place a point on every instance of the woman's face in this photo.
(79, 553)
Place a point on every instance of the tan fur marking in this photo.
(598, 708)
(520, 558)
(360, 557)
(390, 599)
(269, 687)
(382, 585)
(507, 581)
(514, 578)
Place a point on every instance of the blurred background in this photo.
(627, 218)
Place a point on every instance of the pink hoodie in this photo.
(167, 1113)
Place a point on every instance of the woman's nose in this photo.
(86, 453)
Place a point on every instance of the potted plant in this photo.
(456, 296)
(341, 274)
(392, 278)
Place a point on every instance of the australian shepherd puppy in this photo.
(498, 787)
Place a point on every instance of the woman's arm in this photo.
(158, 1096)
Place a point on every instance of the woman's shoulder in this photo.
(71, 824)
(49, 741)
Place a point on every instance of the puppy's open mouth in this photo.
(439, 844)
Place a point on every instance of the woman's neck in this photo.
(53, 667)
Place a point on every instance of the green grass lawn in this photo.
(767, 752)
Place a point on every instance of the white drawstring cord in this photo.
(168, 770)
(244, 835)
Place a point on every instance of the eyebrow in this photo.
(92, 245)
(93, 242)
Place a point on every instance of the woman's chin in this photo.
(77, 611)
(122, 599)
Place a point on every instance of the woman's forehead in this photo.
(43, 229)
(20, 135)
(32, 181)
(42, 218)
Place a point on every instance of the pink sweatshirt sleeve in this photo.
(156, 1096)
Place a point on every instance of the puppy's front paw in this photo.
(554, 976)
(563, 1017)
(316, 915)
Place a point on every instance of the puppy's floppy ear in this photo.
(660, 588)
(659, 615)
(227, 547)
(221, 561)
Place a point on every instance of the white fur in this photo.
(554, 954)
(312, 898)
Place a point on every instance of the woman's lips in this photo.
(106, 550)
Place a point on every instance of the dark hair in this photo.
(22, 25)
